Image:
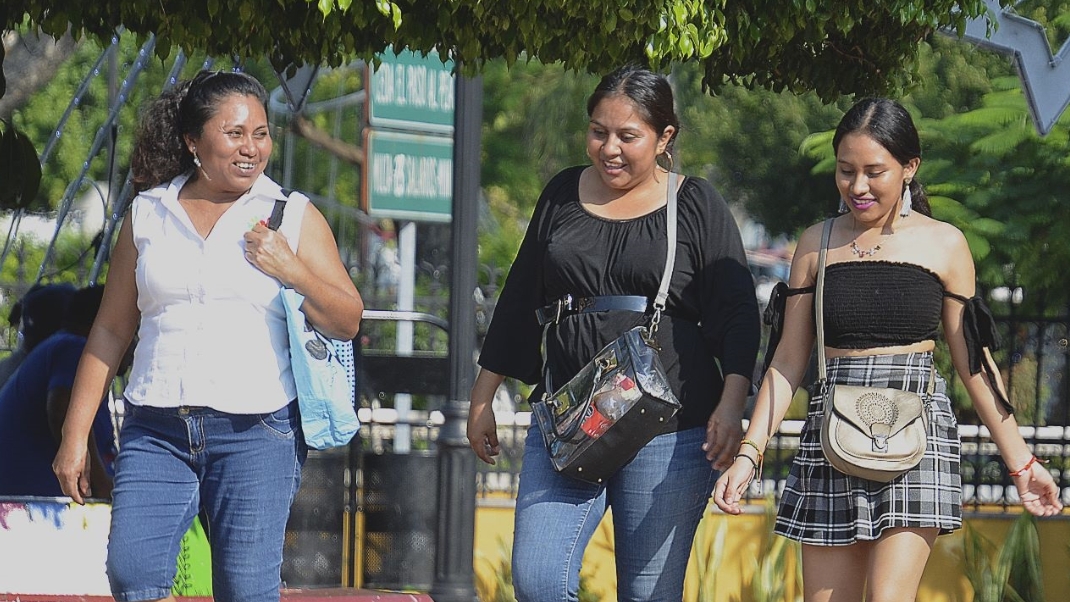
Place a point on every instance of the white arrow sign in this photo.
(1045, 78)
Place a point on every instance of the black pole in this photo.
(454, 548)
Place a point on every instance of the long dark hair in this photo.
(160, 151)
(650, 93)
(887, 122)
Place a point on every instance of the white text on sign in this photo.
(414, 86)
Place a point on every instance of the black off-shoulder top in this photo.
(872, 304)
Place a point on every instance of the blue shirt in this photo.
(27, 446)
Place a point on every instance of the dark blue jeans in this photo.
(243, 469)
(657, 501)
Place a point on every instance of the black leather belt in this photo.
(569, 305)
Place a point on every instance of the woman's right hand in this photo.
(732, 484)
(483, 431)
(1038, 491)
(482, 426)
(71, 466)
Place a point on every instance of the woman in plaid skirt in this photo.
(894, 276)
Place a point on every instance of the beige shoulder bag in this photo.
(869, 432)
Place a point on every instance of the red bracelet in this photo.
(1024, 469)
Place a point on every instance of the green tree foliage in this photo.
(828, 47)
(534, 125)
(1009, 187)
(747, 142)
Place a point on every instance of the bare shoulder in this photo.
(804, 261)
(944, 233)
(943, 248)
(314, 222)
(943, 240)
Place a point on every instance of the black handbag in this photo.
(600, 419)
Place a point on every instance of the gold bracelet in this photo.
(754, 445)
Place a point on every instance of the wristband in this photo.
(1017, 473)
(754, 445)
(757, 475)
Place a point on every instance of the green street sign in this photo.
(411, 92)
(408, 176)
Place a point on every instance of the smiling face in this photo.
(869, 178)
(234, 145)
(621, 144)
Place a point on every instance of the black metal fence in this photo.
(1033, 360)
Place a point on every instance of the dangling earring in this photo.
(197, 162)
(908, 201)
(843, 206)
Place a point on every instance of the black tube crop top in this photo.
(872, 304)
(881, 304)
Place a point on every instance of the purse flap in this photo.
(878, 412)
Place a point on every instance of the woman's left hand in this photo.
(724, 432)
(269, 251)
(1038, 491)
(732, 485)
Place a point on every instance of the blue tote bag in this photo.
(324, 372)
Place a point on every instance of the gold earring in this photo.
(668, 159)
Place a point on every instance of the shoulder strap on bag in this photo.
(666, 276)
(819, 313)
(276, 214)
(670, 256)
(819, 296)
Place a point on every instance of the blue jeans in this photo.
(243, 470)
(657, 500)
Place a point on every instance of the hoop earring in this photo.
(668, 158)
(908, 201)
(843, 206)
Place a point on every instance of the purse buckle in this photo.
(550, 401)
(879, 433)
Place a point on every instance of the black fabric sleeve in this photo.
(512, 346)
(979, 330)
(729, 307)
(774, 317)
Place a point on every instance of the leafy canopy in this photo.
(831, 48)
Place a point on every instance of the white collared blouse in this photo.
(213, 328)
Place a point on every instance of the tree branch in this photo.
(305, 128)
(35, 57)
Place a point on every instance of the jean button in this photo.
(183, 410)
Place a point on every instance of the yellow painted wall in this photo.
(943, 581)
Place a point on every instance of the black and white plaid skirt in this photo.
(823, 506)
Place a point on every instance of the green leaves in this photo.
(1013, 573)
(20, 170)
(832, 49)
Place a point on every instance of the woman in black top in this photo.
(894, 275)
(601, 230)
